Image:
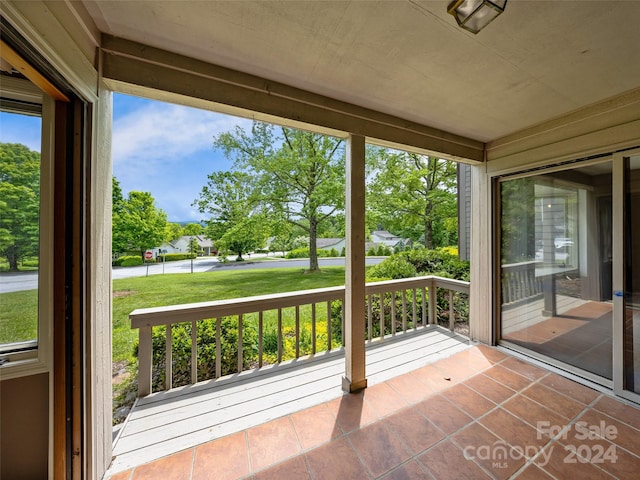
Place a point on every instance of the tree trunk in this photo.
(313, 246)
(13, 261)
(428, 228)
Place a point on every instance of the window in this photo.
(25, 229)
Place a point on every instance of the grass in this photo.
(18, 312)
(175, 289)
(18, 316)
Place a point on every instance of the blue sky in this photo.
(157, 147)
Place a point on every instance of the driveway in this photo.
(14, 282)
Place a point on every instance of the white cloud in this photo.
(159, 134)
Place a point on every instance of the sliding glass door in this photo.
(631, 322)
(556, 266)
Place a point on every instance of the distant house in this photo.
(181, 245)
(378, 238)
(383, 237)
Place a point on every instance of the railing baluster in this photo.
(194, 351)
(433, 303)
(404, 311)
(313, 328)
(260, 335)
(424, 307)
(328, 325)
(382, 295)
(279, 335)
(369, 318)
(218, 349)
(393, 313)
(240, 362)
(297, 331)
(415, 310)
(452, 318)
(168, 373)
(145, 354)
(342, 323)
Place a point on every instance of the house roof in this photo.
(537, 61)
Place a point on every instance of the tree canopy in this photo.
(413, 195)
(137, 223)
(294, 174)
(19, 202)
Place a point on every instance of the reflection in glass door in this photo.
(631, 335)
(556, 266)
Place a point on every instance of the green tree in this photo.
(229, 201)
(173, 231)
(140, 225)
(192, 229)
(413, 195)
(19, 202)
(193, 247)
(298, 174)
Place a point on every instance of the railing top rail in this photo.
(148, 317)
(219, 308)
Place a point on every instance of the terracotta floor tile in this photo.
(414, 430)
(473, 359)
(553, 460)
(490, 354)
(604, 454)
(384, 399)
(532, 472)
(379, 448)
(524, 368)
(294, 469)
(335, 460)
(121, 475)
(433, 378)
(570, 388)
(271, 443)
(409, 471)
(507, 377)
(468, 400)
(614, 408)
(173, 467)
(447, 462)
(227, 456)
(454, 369)
(559, 403)
(514, 431)
(443, 414)
(351, 411)
(482, 446)
(624, 435)
(410, 388)
(533, 413)
(315, 426)
(494, 391)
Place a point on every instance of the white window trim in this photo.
(38, 360)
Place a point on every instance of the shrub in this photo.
(393, 268)
(371, 252)
(206, 350)
(333, 252)
(380, 251)
(173, 257)
(304, 253)
(128, 261)
(343, 252)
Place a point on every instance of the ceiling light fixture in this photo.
(474, 15)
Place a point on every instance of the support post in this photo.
(354, 305)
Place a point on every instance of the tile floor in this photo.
(478, 414)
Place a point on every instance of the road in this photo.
(15, 282)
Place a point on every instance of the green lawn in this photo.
(175, 289)
(18, 312)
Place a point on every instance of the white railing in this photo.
(391, 306)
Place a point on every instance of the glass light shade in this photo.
(474, 15)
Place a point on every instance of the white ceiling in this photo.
(408, 58)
